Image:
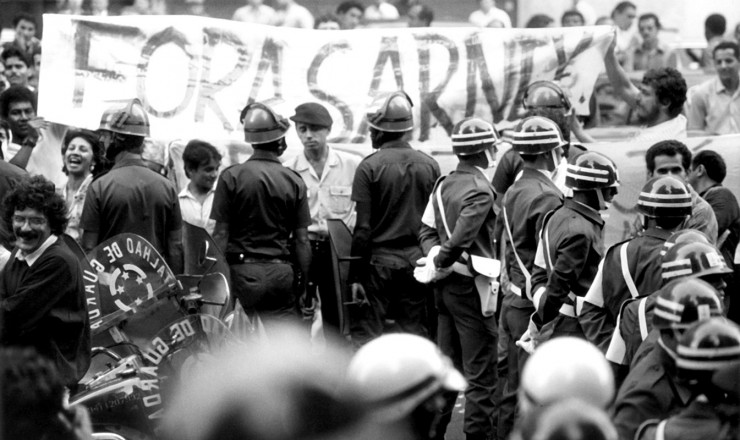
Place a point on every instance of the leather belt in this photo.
(234, 258)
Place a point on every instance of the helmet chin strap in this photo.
(491, 159)
(603, 205)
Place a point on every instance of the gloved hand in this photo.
(529, 340)
(426, 272)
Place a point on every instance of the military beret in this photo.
(312, 113)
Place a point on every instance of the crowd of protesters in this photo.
(493, 281)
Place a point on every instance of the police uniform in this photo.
(263, 203)
(524, 207)
(395, 182)
(569, 252)
(700, 420)
(650, 391)
(463, 332)
(628, 270)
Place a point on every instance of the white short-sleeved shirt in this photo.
(194, 212)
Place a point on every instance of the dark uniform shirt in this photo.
(511, 164)
(700, 420)
(467, 197)
(573, 246)
(649, 392)
(263, 203)
(726, 209)
(43, 306)
(611, 286)
(396, 181)
(132, 198)
(525, 205)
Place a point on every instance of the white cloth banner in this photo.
(194, 75)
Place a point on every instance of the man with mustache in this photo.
(328, 174)
(42, 296)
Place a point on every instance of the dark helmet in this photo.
(592, 170)
(537, 135)
(683, 302)
(684, 236)
(473, 135)
(394, 113)
(545, 94)
(692, 260)
(262, 124)
(129, 118)
(664, 196)
(709, 345)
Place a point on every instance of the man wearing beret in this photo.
(328, 174)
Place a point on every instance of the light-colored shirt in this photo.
(74, 207)
(674, 128)
(482, 19)
(295, 16)
(331, 195)
(31, 258)
(383, 11)
(261, 14)
(195, 212)
(713, 108)
(644, 58)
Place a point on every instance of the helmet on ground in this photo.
(684, 236)
(473, 135)
(262, 124)
(566, 367)
(129, 118)
(692, 260)
(591, 170)
(395, 373)
(682, 302)
(664, 196)
(537, 135)
(709, 345)
(393, 114)
(545, 94)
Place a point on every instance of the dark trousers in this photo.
(470, 340)
(393, 293)
(512, 325)
(266, 288)
(321, 283)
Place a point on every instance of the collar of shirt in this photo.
(266, 158)
(659, 233)
(186, 194)
(31, 258)
(302, 163)
(395, 144)
(129, 161)
(585, 211)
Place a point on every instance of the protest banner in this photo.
(194, 74)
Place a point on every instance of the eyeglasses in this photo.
(33, 221)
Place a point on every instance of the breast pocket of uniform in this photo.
(340, 199)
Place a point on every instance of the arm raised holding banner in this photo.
(621, 82)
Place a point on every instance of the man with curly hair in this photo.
(42, 296)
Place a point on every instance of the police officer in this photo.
(524, 206)
(685, 259)
(651, 390)
(391, 189)
(632, 268)
(258, 206)
(131, 197)
(328, 174)
(571, 246)
(456, 233)
(406, 380)
(706, 347)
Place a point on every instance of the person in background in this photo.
(327, 22)
(328, 174)
(714, 105)
(488, 11)
(17, 67)
(651, 53)
(195, 8)
(708, 171)
(623, 15)
(201, 161)
(33, 79)
(540, 21)
(715, 27)
(350, 14)
(97, 8)
(25, 39)
(381, 10)
(288, 13)
(420, 16)
(254, 12)
(82, 155)
(18, 108)
(139, 7)
(42, 295)
(571, 18)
